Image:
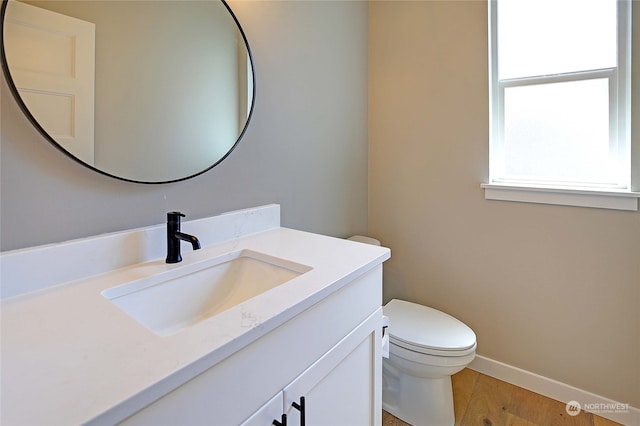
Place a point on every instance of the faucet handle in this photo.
(174, 216)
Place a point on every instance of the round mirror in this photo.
(145, 91)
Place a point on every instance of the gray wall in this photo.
(553, 290)
(306, 147)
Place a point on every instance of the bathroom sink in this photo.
(169, 301)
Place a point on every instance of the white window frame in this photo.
(586, 194)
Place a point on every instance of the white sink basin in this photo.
(167, 302)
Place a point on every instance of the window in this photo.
(560, 97)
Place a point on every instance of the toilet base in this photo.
(416, 400)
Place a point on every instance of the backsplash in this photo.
(36, 268)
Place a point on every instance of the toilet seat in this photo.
(426, 330)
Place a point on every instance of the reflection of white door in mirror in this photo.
(52, 61)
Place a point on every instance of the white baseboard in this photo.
(601, 406)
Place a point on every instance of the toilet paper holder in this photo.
(385, 324)
(385, 337)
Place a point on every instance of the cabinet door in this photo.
(344, 386)
(267, 413)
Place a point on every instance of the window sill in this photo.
(601, 199)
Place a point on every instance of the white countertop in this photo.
(70, 356)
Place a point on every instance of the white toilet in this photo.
(426, 347)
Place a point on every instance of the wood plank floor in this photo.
(480, 400)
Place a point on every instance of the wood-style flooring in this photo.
(480, 400)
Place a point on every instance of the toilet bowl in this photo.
(426, 347)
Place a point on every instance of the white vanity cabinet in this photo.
(95, 361)
(267, 413)
(330, 354)
(340, 388)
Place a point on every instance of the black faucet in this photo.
(174, 236)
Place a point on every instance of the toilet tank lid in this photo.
(364, 239)
(425, 327)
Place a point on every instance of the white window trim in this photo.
(532, 192)
(601, 199)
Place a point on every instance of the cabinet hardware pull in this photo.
(300, 407)
(282, 422)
